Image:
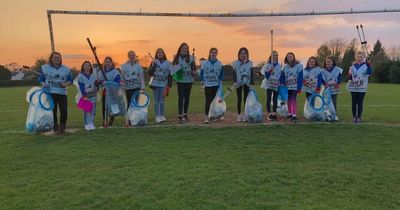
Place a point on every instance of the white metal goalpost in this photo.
(211, 15)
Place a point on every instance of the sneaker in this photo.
(274, 117)
(336, 119)
(270, 117)
(354, 120)
(185, 118)
(158, 119)
(289, 117)
(92, 127)
(294, 119)
(239, 118)
(163, 119)
(358, 120)
(180, 119)
(244, 118)
(87, 127)
(206, 120)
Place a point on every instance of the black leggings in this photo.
(272, 94)
(210, 93)
(103, 108)
(60, 101)
(334, 100)
(357, 103)
(184, 90)
(239, 90)
(129, 94)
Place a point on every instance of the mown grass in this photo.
(304, 166)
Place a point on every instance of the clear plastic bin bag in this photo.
(253, 110)
(138, 109)
(115, 99)
(40, 112)
(217, 106)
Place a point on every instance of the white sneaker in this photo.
(163, 119)
(336, 119)
(244, 118)
(239, 118)
(92, 127)
(87, 127)
(206, 119)
(158, 119)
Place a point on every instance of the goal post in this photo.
(210, 15)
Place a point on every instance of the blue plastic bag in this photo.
(283, 93)
(253, 110)
(217, 106)
(40, 112)
(329, 109)
(314, 108)
(319, 107)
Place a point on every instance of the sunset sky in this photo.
(24, 31)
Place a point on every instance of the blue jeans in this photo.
(158, 93)
(88, 117)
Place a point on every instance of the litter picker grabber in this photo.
(363, 41)
(272, 41)
(93, 49)
(231, 88)
(152, 63)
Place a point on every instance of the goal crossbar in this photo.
(210, 15)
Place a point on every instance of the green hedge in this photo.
(14, 83)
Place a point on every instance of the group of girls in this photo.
(310, 80)
(55, 76)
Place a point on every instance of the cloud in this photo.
(136, 41)
(76, 56)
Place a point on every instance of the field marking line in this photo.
(374, 105)
(214, 125)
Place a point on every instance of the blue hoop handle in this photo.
(312, 97)
(134, 102)
(43, 91)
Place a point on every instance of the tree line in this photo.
(385, 62)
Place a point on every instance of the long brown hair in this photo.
(160, 50)
(247, 52)
(312, 58)
(209, 53)
(51, 58)
(109, 58)
(270, 57)
(291, 64)
(91, 67)
(178, 54)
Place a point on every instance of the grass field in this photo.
(272, 166)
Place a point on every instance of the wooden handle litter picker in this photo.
(105, 122)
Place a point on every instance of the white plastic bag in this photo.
(282, 108)
(40, 112)
(253, 110)
(217, 106)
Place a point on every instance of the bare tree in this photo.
(394, 53)
(334, 48)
